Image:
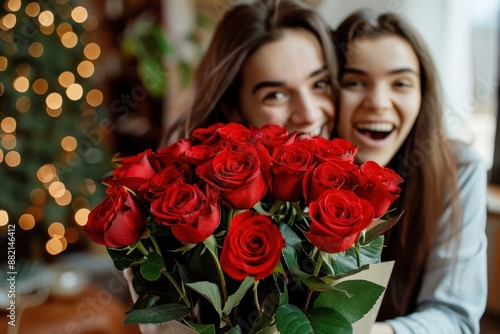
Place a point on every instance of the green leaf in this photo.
(203, 329)
(234, 299)
(291, 320)
(380, 229)
(291, 238)
(210, 291)
(234, 330)
(152, 267)
(262, 325)
(157, 314)
(122, 261)
(369, 254)
(314, 282)
(362, 297)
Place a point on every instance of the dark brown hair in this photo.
(425, 162)
(242, 30)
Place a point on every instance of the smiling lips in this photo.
(376, 131)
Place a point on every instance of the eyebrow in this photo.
(279, 83)
(353, 70)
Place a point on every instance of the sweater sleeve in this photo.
(454, 288)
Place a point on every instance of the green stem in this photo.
(358, 255)
(155, 244)
(176, 285)
(211, 240)
(276, 205)
(319, 263)
(256, 297)
(141, 248)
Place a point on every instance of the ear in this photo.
(231, 113)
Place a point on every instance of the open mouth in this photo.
(376, 131)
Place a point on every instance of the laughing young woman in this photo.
(390, 107)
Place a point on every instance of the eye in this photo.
(352, 83)
(274, 97)
(403, 84)
(323, 83)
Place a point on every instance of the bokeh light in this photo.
(3, 63)
(33, 9)
(27, 221)
(4, 218)
(46, 18)
(65, 199)
(92, 51)
(9, 141)
(74, 92)
(79, 14)
(21, 84)
(81, 216)
(53, 112)
(23, 104)
(54, 101)
(69, 143)
(37, 196)
(13, 159)
(63, 28)
(8, 124)
(40, 86)
(36, 49)
(69, 39)
(54, 246)
(23, 70)
(91, 23)
(46, 173)
(57, 189)
(85, 69)
(94, 97)
(72, 235)
(56, 230)
(66, 78)
(9, 21)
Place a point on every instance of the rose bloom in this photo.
(135, 170)
(191, 214)
(118, 221)
(252, 246)
(337, 218)
(290, 163)
(327, 175)
(378, 185)
(241, 175)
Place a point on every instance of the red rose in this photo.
(290, 164)
(166, 177)
(337, 218)
(176, 150)
(327, 175)
(271, 135)
(135, 170)
(118, 221)
(201, 135)
(241, 176)
(378, 185)
(192, 215)
(335, 150)
(200, 154)
(252, 246)
(233, 133)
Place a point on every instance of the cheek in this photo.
(410, 107)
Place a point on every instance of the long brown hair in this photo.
(425, 162)
(242, 30)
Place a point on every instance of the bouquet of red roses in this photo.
(240, 229)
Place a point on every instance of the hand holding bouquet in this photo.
(249, 230)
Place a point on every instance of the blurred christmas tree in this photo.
(54, 134)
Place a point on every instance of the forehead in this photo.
(295, 55)
(382, 53)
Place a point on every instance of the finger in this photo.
(129, 274)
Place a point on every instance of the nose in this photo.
(306, 109)
(378, 98)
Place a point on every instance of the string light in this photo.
(27, 221)
(94, 98)
(54, 101)
(46, 18)
(66, 79)
(36, 49)
(40, 86)
(92, 51)
(32, 9)
(69, 39)
(14, 5)
(79, 14)
(63, 28)
(9, 141)
(37, 196)
(4, 218)
(3, 63)
(1, 156)
(23, 104)
(21, 84)
(8, 124)
(81, 216)
(9, 21)
(74, 92)
(13, 159)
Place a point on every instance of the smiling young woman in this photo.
(390, 107)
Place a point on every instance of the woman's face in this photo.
(286, 82)
(380, 97)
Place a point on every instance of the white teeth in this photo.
(378, 127)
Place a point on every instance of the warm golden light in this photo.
(79, 14)
(46, 18)
(80, 203)
(69, 143)
(69, 39)
(8, 124)
(47, 30)
(85, 69)
(54, 246)
(12, 159)
(57, 189)
(37, 196)
(63, 28)
(23, 70)
(23, 104)
(32, 9)
(64, 11)
(36, 211)
(14, 5)
(91, 23)
(54, 101)
(3, 63)
(74, 92)
(53, 112)
(40, 86)
(65, 199)
(46, 173)
(1, 155)
(92, 51)
(4, 218)
(81, 216)
(27, 221)
(1, 89)
(64, 243)
(35, 49)
(72, 235)
(56, 230)
(9, 142)
(21, 84)
(90, 187)
(66, 79)
(94, 97)
(9, 21)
